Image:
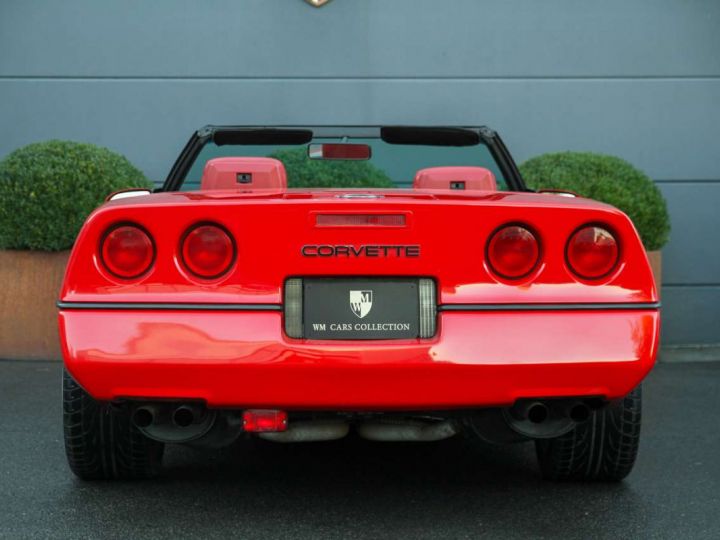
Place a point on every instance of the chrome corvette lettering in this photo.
(325, 250)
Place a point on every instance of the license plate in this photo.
(360, 308)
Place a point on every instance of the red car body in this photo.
(549, 334)
(545, 337)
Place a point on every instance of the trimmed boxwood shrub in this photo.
(608, 179)
(305, 172)
(47, 190)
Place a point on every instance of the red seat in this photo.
(467, 178)
(247, 173)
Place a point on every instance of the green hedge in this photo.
(608, 179)
(305, 172)
(47, 190)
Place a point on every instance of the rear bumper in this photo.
(243, 359)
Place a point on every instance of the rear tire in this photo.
(101, 443)
(602, 448)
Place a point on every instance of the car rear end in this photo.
(244, 307)
(475, 301)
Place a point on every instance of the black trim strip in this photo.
(549, 307)
(165, 306)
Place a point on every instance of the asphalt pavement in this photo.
(357, 489)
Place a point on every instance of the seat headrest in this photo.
(467, 178)
(247, 173)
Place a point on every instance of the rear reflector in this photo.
(360, 220)
(264, 420)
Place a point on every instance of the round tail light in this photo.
(208, 251)
(127, 251)
(513, 252)
(592, 252)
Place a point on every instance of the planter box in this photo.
(655, 259)
(29, 286)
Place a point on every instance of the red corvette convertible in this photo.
(226, 304)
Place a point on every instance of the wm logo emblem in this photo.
(361, 302)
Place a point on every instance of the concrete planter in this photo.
(655, 258)
(29, 287)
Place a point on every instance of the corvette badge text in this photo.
(327, 250)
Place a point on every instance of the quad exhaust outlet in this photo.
(173, 422)
(549, 418)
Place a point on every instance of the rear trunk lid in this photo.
(440, 235)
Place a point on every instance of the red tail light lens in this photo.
(592, 252)
(127, 251)
(208, 251)
(513, 252)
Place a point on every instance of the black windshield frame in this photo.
(274, 135)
